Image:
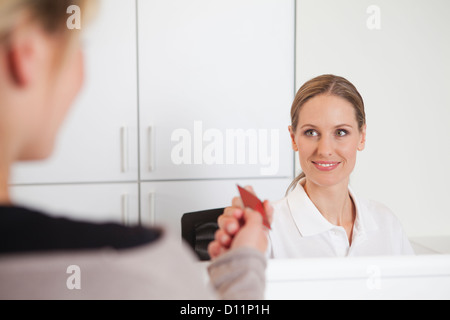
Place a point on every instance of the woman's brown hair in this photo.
(331, 85)
(51, 14)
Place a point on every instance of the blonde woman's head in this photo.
(41, 73)
(328, 127)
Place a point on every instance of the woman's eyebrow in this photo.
(308, 125)
(343, 125)
(337, 126)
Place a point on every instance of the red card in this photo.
(252, 202)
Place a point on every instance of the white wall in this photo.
(402, 71)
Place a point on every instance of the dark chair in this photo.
(198, 230)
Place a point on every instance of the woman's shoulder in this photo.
(292, 193)
(119, 256)
(389, 226)
(378, 211)
(28, 230)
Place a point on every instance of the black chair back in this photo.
(198, 230)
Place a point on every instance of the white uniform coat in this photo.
(300, 231)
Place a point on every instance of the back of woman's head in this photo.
(41, 73)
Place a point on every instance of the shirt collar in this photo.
(364, 221)
(310, 221)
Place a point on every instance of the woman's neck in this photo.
(4, 194)
(4, 181)
(333, 202)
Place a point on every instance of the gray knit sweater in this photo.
(163, 269)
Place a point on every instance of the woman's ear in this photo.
(292, 134)
(23, 55)
(362, 142)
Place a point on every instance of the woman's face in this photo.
(327, 139)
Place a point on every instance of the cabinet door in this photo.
(216, 82)
(164, 203)
(92, 202)
(397, 53)
(98, 142)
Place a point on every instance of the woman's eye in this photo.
(311, 133)
(341, 133)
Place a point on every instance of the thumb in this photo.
(252, 233)
(252, 218)
(250, 188)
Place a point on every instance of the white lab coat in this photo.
(300, 231)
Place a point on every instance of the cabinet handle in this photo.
(124, 149)
(151, 206)
(151, 146)
(125, 210)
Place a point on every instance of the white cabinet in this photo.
(91, 202)
(182, 100)
(164, 203)
(397, 54)
(98, 142)
(215, 87)
(216, 82)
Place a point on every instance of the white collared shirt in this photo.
(299, 230)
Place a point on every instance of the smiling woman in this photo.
(344, 107)
(320, 215)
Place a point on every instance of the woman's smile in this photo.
(326, 165)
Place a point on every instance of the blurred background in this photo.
(184, 99)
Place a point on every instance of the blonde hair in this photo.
(326, 84)
(51, 14)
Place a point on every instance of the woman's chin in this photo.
(327, 179)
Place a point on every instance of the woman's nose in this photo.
(325, 147)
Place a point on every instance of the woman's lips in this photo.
(325, 165)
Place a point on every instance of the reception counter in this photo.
(414, 277)
(424, 276)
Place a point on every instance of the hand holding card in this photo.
(251, 201)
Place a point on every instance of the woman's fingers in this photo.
(220, 244)
(237, 203)
(269, 211)
(223, 238)
(229, 221)
(252, 233)
(215, 249)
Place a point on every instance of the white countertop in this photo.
(393, 277)
(424, 276)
